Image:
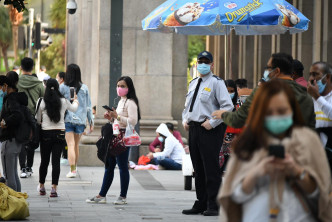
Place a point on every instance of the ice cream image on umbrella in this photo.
(184, 15)
(290, 18)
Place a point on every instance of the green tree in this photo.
(53, 57)
(5, 34)
(58, 14)
(196, 44)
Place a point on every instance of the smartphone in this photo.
(277, 151)
(72, 93)
(107, 108)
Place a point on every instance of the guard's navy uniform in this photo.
(205, 145)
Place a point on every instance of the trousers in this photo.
(204, 146)
(9, 157)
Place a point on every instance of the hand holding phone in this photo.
(277, 151)
(107, 108)
(72, 93)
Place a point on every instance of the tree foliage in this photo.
(196, 44)
(58, 14)
(53, 57)
(5, 33)
(18, 4)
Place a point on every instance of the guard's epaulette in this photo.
(193, 80)
(217, 77)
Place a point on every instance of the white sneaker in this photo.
(120, 201)
(71, 174)
(64, 162)
(98, 200)
(24, 173)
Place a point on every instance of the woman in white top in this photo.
(279, 167)
(171, 157)
(127, 111)
(50, 115)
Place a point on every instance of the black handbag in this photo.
(117, 146)
(35, 140)
(103, 142)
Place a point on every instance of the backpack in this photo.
(103, 143)
(24, 133)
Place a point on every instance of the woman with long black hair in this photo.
(127, 112)
(76, 121)
(50, 115)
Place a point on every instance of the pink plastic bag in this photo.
(131, 137)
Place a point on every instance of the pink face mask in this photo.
(122, 91)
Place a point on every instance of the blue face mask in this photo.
(203, 68)
(321, 86)
(161, 139)
(232, 95)
(2, 93)
(266, 75)
(278, 124)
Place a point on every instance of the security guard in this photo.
(206, 93)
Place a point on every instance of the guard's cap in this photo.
(205, 54)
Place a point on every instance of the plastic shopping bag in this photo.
(13, 205)
(131, 137)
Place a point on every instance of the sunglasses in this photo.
(204, 61)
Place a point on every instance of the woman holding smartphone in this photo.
(50, 115)
(75, 122)
(127, 112)
(290, 187)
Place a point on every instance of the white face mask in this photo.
(266, 74)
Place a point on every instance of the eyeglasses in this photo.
(269, 67)
(204, 61)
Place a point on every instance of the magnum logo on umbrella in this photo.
(184, 15)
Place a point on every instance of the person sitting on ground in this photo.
(297, 74)
(171, 156)
(283, 174)
(242, 90)
(153, 147)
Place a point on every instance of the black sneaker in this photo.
(192, 211)
(2, 180)
(211, 213)
(29, 171)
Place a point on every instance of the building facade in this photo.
(246, 56)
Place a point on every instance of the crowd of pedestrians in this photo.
(271, 146)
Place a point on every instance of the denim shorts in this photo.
(78, 129)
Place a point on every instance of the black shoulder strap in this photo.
(34, 103)
(38, 105)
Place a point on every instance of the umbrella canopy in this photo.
(219, 17)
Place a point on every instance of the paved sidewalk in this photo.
(152, 196)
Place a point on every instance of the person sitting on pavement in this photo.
(320, 88)
(283, 171)
(171, 157)
(297, 74)
(50, 115)
(153, 147)
(279, 66)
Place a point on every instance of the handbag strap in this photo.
(38, 105)
(34, 103)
